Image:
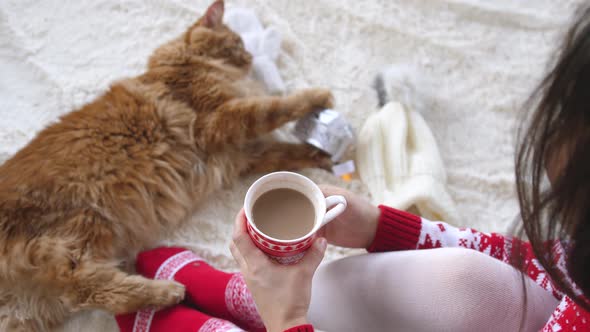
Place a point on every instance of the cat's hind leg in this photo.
(24, 311)
(104, 286)
(279, 156)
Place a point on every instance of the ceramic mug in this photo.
(326, 209)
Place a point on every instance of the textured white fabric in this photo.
(449, 289)
(398, 159)
(483, 58)
(263, 43)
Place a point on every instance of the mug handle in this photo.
(335, 205)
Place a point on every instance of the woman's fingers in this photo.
(314, 255)
(329, 190)
(237, 255)
(242, 247)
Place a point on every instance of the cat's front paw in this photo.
(318, 99)
(166, 293)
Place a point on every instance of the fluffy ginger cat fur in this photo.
(109, 179)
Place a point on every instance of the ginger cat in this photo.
(108, 179)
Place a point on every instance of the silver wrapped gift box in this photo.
(328, 131)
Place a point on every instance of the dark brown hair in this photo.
(556, 139)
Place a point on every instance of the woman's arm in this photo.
(399, 230)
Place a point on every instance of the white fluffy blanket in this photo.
(478, 60)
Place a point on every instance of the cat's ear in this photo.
(214, 15)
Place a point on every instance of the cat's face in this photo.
(211, 38)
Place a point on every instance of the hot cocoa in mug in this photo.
(284, 211)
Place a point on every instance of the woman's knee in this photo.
(461, 288)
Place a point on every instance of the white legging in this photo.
(449, 289)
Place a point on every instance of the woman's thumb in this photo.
(313, 257)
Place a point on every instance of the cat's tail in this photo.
(401, 83)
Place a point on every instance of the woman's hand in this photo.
(356, 226)
(282, 293)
